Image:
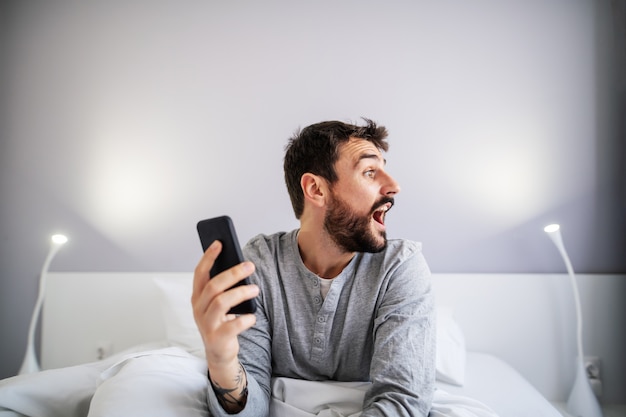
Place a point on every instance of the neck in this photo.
(320, 253)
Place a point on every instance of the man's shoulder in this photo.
(404, 244)
(264, 243)
(402, 248)
(273, 237)
(397, 252)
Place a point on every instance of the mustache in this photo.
(382, 201)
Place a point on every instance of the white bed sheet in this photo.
(497, 384)
(491, 384)
(171, 382)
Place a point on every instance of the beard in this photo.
(351, 231)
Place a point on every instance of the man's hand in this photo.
(212, 298)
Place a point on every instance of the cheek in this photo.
(359, 195)
(361, 202)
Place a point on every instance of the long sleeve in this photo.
(403, 365)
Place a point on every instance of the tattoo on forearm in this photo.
(226, 397)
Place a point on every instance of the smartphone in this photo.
(222, 229)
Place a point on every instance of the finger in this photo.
(218, 327)
(220, 295)
(222, 343)
(241, 323)
(224, 301)
(201, 273)
(230, 329)
(227, 279)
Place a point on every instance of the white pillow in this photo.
(450, 349)
(180, 326)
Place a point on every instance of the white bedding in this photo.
(297, 398)
(172, 382)
(494, 382)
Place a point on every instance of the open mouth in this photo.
(380, 212)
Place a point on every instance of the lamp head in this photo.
(551, 228)
(554, 232)
(59, 239)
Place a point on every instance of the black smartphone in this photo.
(222, 229)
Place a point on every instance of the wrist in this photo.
(230, 388)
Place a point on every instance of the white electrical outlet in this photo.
(594, 374)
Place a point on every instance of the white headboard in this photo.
(85, 311)
(526, 319)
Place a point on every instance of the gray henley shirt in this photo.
(376, 324)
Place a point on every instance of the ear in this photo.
(314, 189)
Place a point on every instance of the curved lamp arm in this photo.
(554, 232)
(30, 363)
(582, 401)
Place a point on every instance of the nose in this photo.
(390, 186)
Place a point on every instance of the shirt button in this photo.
(321, 319)
(317, 300)
(318, 341)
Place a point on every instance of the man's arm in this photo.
(403, 365)
(212, 298)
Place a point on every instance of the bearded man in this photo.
(336, 299)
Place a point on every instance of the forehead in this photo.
(356, 150)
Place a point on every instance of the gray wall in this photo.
(122, 125)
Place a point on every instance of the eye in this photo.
(370, 173)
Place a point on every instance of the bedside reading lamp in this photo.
(582, 402)
(30, 363)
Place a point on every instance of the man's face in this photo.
(363, 193)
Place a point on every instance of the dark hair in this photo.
(315, 149)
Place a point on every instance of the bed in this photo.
(102, 331)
